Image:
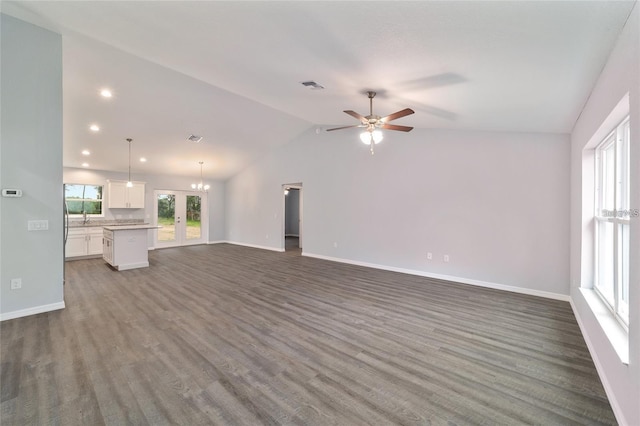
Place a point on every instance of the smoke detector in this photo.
(194, 138)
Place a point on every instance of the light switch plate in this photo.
(37, 225)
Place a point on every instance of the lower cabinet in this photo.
(83, 242)
(107, 247)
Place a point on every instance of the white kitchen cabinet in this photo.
(107, 246)
(85, 241)
(120, 196)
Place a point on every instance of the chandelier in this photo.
(200, 186)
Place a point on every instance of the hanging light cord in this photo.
(129, 140)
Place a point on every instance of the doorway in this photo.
(182, 216)
(292, 227)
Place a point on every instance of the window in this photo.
(612, 221)
(83, 198)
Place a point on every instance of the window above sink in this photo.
(84, 199)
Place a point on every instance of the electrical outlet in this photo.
(445, 258)
(16, 283)
(429, 256)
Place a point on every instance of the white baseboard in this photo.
(217, 242)
(608, 389)
(31, 311)
(127, 266)
(496, 286)
(235, 243)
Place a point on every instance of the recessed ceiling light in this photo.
(106, 93)
(143, 160)
(86, 152)
(94, 128)
(85, 164)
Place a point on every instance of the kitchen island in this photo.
(126, 247)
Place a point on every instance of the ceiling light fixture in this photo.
(194, 138)
(129, 183)
(143, 160)
(106, 93)
(94, 128)
(370, 137)
(86, 152)
(200, 186)
(85, 164)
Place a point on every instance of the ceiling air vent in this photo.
(194, 138)
(312, 85)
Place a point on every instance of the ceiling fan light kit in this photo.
(373, 123)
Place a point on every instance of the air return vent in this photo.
(312, 85)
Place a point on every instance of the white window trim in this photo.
(615, 220)
(80, 215)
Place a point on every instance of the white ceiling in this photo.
(231, 71)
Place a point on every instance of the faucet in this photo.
(84, 217)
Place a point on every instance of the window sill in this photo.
(615, 332)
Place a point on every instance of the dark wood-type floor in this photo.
(224, 334)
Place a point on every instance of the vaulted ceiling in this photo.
(232, 71)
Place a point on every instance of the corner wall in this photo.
(31, 160)
(496, 203)
(620, 76)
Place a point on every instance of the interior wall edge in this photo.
(608, 388)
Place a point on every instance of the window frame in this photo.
(92, 200)
(619, 217)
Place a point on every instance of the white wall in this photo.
(215, 195)
(31, 160)
(620, 76)
(496, 203)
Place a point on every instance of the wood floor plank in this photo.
(224, 334)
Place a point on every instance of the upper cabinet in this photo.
(123, 197)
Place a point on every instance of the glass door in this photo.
(181, 218)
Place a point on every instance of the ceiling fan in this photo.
(373, 123)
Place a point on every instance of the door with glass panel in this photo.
(182, 218)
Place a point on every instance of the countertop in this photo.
(116, 228)
(99, 223)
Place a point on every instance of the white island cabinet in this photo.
(126, 247)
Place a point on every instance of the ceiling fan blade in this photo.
(356, 115)
(345, 127)
(396, 115)
(396, 127)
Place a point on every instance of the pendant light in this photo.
(129, 183)
(200, 186)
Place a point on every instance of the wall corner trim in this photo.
(31, 311)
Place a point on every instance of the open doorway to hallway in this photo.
(292, 227)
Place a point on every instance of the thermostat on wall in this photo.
(12, 192)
